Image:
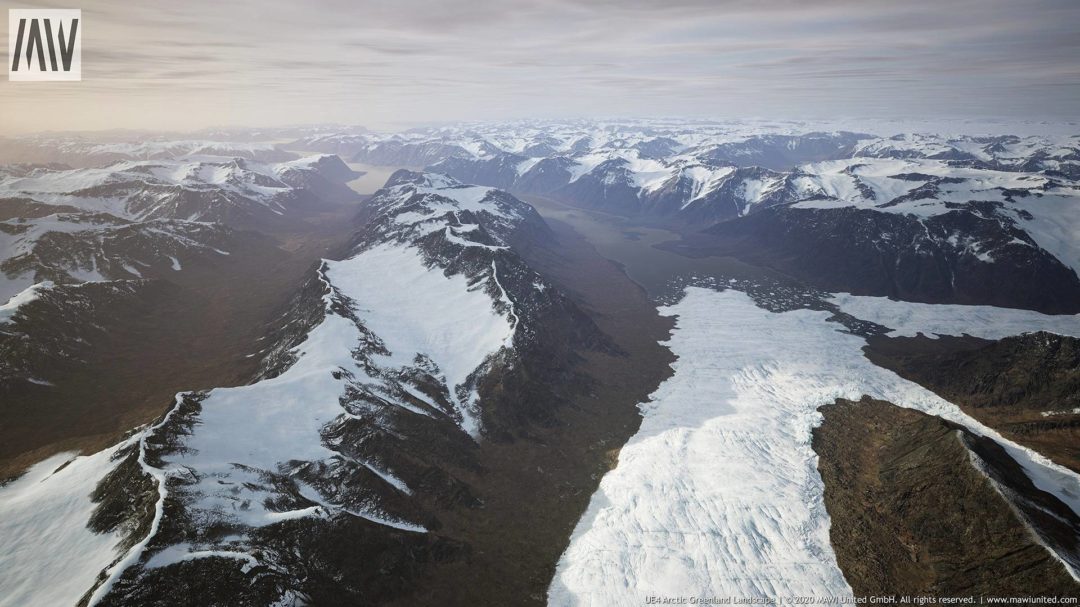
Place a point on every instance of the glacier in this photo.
(718, 494)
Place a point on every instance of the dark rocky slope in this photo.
(867, 252)
(917, 508)
(497, 511)
(1008, 384)
(145, 307)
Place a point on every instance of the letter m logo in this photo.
(44, 44)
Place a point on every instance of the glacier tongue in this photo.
(718, 494)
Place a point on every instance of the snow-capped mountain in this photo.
(921, 230)
(142, 218)
(1056, 156)
(84, 152)
(924, 217)
(394, 151)
(81, 247)
(228, 190)
(690, 173)
(388, 369)
(970, 254)
(106, 273)
(663, 174)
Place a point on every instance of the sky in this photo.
(398, 63)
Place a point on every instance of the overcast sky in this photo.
(195, 63)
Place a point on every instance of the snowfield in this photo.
(49, 556)
(907, 319)
(416, 310)
(718, 493)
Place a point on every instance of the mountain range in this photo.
(230, 378)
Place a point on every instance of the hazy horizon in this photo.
(156, 66)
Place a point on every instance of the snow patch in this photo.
(27, 295)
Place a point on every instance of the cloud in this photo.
(159, 64)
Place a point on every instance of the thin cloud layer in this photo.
(386, 64)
